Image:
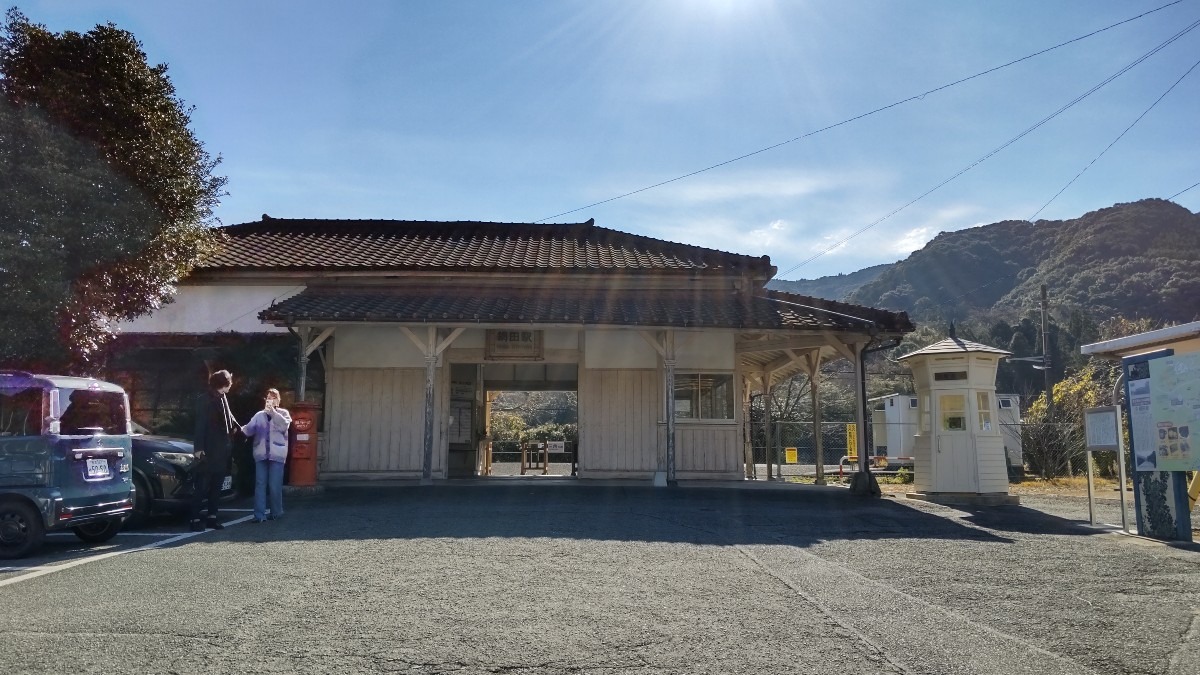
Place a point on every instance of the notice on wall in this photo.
(1175, 405)
(1141, 419)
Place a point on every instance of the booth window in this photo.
(950, 376)
(985, 411)
(953, 412)
(703, 396)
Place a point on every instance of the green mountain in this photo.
(1139, 260)
(837, 287)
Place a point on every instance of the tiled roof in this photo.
(955, 346)
(707, 309)
(405, 245)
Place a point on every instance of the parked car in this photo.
(65, 459)
(164, 475)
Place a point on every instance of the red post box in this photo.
(302, 460)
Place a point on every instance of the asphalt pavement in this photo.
(554, 576)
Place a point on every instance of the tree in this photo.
(107, 198)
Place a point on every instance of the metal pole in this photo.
(776, 447)
(1046, 362)
(1121, 470)
(1091, 490)
(1117, 392)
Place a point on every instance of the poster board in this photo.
(1175, 406)
(1101, 427)
(1160, 496)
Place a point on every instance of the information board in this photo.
(1100, 428)
(1175, 405)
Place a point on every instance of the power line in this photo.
(858, 117)
(1114, 142)
(1183, 191)
(989, 155)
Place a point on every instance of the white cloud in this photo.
(757, 185)
(911, 240)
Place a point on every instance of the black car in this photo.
(163, 475)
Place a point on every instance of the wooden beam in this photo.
(415, 340)
(779, 363)
(312, 346)
(846, 351)
(780, 344)
(652, 339)
(441, 347)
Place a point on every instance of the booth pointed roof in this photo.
(955, 346)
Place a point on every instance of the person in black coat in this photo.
(213, 444)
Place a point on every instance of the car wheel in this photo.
(99, 531)
(21, 529)
(143, 503)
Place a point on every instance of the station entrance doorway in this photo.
(513, 420)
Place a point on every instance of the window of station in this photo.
(703, 396)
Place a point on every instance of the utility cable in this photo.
(1182, 191)
(1089, 236)
(989, 155)
(288, 293)
(1114, 142)
(861, 116)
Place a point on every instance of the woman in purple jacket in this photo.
(269, 429)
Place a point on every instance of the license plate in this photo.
(97, 468)
(227, 484)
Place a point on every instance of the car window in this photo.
(93, 412)
(21, 411)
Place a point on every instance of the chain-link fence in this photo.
(799, 435)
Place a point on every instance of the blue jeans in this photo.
(268, 477)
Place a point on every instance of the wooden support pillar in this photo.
(669, 384)
(747, 433)
(308, 345)
(766, 378)
(430, 372)
(432, 349)
(302, 362)
(813, 364)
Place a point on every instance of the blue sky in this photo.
(519, 110)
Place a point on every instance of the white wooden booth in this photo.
(958, 449)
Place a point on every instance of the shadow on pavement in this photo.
(701, 516)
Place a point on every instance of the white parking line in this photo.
(83, 561)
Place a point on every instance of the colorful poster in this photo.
(1141, 419)
(1175, 405)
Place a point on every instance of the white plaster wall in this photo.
(619, 350)
(471, 338)
(710, 350)
(376, 347)
(560, 338)
(207, 309)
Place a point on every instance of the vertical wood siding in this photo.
(708, 448)
(375, 419)
(618, 415)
